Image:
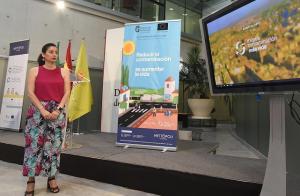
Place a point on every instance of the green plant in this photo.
(193, 74)
(124, 75)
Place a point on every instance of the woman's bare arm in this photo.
(66, 75)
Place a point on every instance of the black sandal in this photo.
(31, 193)
(52, 189)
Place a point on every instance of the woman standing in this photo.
(48, 90)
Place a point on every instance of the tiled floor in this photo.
(228, 144)
(13, 184)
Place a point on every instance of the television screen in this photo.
(254, 46)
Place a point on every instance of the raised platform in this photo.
(192, 170)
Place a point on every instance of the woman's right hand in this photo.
(46, 115)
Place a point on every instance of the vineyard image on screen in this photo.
(259, 42)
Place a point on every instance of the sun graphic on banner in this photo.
(128, 48)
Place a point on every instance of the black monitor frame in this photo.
(264, 86)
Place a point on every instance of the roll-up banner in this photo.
(12, 102)
(148, 96)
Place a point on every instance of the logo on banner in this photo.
(9, 117)
(15, 69)
(163, 136)
(143, 29)
(18, 48)
(162, 26)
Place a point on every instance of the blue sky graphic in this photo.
(237, 15)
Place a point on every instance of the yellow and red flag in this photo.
(68, 62)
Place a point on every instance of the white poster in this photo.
(111, 79)
(12, 103)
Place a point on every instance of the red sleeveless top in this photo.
(49, 84)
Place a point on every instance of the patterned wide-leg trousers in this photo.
(43, 140)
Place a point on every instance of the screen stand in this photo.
(275, 175)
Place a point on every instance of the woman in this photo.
(48, 90)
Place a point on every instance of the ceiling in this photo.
(197, 5)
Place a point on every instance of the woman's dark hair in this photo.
(40, 59)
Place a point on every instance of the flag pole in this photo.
(68, 65)
(65, 131)
(78, 124)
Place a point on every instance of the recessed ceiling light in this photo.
(60, 5)
(171, 9)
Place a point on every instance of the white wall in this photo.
(42, 22)
(3, 63)
(111, 79)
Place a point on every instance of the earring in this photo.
(43, 59)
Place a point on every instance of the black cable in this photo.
(297, 104)
(293, 110)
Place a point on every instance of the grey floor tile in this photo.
(13, 184)
(228, 145)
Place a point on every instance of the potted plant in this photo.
(193, 74)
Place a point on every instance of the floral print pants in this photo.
(43, 140)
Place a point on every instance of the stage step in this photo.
(147, 179)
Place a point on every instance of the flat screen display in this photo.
(254, 46)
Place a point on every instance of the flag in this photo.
(68, 62)
(58, 63)
(81, 98)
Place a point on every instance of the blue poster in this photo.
(148, 95)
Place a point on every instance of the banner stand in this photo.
(13, 95)
(163, 149)
(149, 87)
